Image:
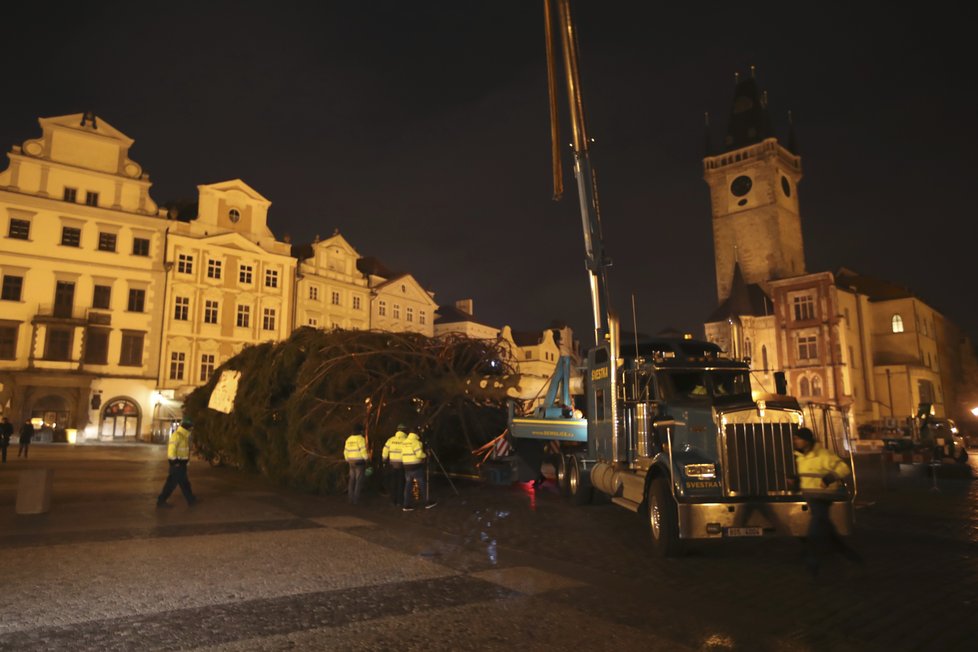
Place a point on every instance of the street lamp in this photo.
(974, 411)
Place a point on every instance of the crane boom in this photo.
(597, 262)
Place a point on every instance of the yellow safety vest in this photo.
(815, 465)
(178, 447)
(412, 451)
(392, 448)
(355, 449)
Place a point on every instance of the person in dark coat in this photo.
(26, 434)
(6, 432)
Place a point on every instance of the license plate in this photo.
(744, 532)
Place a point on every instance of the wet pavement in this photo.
(258, 567)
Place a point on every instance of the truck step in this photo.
(626, 503)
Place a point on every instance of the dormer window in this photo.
(234, 215)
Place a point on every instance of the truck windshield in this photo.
(704, 385)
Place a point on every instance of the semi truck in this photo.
(670, 427)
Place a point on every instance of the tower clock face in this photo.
(741, 185)
(785, 186)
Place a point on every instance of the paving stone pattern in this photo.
(256, 567)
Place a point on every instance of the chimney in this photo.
(465, 305)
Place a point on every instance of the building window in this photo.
(422, 317)
(19, 229)
(70, 236)
(102, 296)
(409, 314)
(137, 300)
(64, 299)
(131, 354)
(268, 319)
(177, 361)
(91, 198)
(106, 241)
(181, 308)
(804, 307)
(234, 215)
(13, 288)
(58, 345)
(210, 312)
(808, 347)
(848, 323)
(271, 278)
(852, 359)
(382, 308)
(185, 264)
(816, 386)
(244, 316)
(96, 346)
(313, 322)
(8, 342)
(748, 351)
(244, 274)
(764, 358)
(925, 389)
(803, 388)
(140, 246)
(71, 194)
(896, 324)
(207, 364)
(529, 355)
(397, 311)
(356, 303)
(314, 293)
(334, 298)
(213, 268)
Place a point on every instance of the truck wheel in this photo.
(578, 483)
(663, 520)
(563, 474)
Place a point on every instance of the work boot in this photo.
(431, 504)
(407, 508)
(163, 505)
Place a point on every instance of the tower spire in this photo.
(792, 138)
(707, 141)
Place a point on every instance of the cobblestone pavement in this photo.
(257, 567)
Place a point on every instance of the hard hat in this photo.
(187, 423)
(401, 426)
(369, 471)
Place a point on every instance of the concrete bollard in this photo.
(34, 491)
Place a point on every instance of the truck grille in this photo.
(760, 457)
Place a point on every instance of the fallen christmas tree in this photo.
(297, 401)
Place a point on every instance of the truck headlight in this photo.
(700, 470)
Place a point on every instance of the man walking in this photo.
(395, 469)
(26, 435)
(355, 452)
(413, 458)
(178, 456)
(6, 432)
(820, 475)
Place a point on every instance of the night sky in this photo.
(420, 130)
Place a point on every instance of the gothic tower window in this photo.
(816, 386)
(803, 386)
(896, 324)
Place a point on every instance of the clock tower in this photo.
(754, 196)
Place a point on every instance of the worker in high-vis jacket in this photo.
(355, 453)
(178, 456)
(413, 458)
(820, 476)
(391, 455)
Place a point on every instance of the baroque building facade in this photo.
(866, 349)
(113, 308)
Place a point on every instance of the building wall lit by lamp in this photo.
(72, 434)
(37, 422)
(974, 411)
(155, 398)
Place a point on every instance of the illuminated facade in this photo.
(228, 283)
(331, 292)
(459, 319)
(82, 272)
(843, 340)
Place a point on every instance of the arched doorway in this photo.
(55, 416)
(120, 418)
